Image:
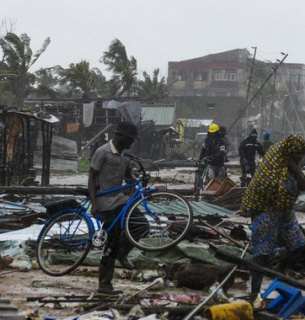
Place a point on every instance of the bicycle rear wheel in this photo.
(159, 221)
(64, 242)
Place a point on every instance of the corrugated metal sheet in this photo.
(200, 208)
(196, 123)
(161, 115)
(63, 154)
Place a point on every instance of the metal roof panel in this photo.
(161, 115)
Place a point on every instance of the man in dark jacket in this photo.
(214, 152)
(247, 152)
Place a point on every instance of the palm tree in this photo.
(47, 83)
(124, 70)
(18, 58)
(83, 80)
(151, 88)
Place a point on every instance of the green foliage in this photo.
(6, 96)
(77, 81)
(124, 70)
(17, 59)
(47, 83)
(151, 88)
(83, 165)
(84, 81)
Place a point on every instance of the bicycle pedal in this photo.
(99, 238)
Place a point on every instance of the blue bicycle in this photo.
(152, 219)
(201, 178)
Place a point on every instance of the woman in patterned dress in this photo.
(269, 201)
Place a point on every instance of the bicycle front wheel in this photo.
(64, 242)
(158, 221)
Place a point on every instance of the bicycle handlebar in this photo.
(137, 160)
(204, 160)
(145, 176)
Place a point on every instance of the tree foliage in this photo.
(77, 81)
(85, 82)
(47, 82)
(152, 89)
(124, 69)
(18, 58)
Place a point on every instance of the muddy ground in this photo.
(27, 289)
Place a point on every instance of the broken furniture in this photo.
(288, 301)
(219, 188)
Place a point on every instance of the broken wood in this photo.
(69, 299)
(156, 282)
(95, 138)
(201, 305)
(222, 234)
(220, 254)
(41, 190)
(177, 311)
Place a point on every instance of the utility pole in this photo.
(259, 90)
(249, 82)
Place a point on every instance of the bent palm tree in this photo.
(18, 59)
(124, 70)
(47, 83)
(88, 82)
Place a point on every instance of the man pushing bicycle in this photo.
(108, 169)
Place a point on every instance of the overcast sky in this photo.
(158, 31)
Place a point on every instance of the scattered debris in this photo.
(169, 285)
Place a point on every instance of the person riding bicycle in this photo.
(247, 151)
(213, 152)
(109, 167)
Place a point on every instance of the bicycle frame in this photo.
(203, 170)
(157, 220)
(139, 192)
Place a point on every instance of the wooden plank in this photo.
(42, 190)
(220, 254)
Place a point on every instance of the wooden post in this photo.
(94, 139)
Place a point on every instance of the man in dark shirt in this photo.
(247, 151)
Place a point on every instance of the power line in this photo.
(274, 69)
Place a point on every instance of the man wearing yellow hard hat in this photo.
(213, 128)
(213, 152)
